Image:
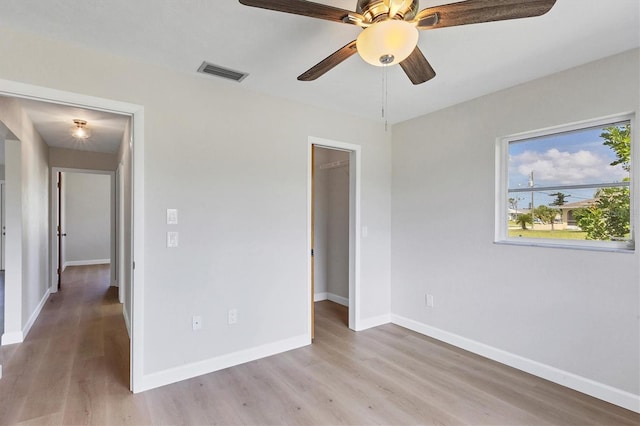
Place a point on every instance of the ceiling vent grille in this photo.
(218, 71)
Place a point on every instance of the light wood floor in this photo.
(73, 369)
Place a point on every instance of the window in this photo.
(568, 186)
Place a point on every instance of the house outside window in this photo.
(568, 186)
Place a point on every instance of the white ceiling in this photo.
(54, 122)
(275, 47)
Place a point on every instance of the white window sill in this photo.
(530, 242)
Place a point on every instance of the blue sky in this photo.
(562, 159)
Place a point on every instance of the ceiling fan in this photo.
(390, 27)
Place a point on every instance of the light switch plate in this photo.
(172, 216)
(172, 239)
(232, 316)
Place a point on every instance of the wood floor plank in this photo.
(48, 420)
(74, 369)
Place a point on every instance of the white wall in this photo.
(34, 210)
(338, 229)
(13, 244)
(88, 218)
(78, 159)
(320, 212)
(2, 165)
(332, 225)
(234, 163)
(573, 310)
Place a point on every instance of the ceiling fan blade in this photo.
(301, 7)
(329, 62)
(477, 11)
(417, 67)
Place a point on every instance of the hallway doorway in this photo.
(130, 152)
(84, 205)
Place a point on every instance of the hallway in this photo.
(75, 360)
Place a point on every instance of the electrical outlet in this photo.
(428, 300)
(197, 322)
(232, 317)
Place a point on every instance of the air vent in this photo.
(218, 71)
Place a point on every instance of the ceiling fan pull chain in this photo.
(385, 96)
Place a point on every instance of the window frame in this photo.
(502, 190)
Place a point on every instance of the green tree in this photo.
(546, 214)
(609, 217)
(618, 138)
(560, 199)
(591, 221)
(523, 219)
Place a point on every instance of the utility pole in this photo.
(531, 183)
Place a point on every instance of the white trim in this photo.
(319, 297)
(137, 253)
(22, 90)
(113, 206)
(355, 184)
(86, 262)
(367, 323)
(126, 322)
(581, 384)
(184, 372)
(120, 240)
(12, 338)
(34, 316)
(338, 299)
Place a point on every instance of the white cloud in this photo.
(555, 167)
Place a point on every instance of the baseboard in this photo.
(338, 299)
(34, 316)
(319, 297)
(188, 371)
(366, 323)
(581, 384)
(127, 323)
(86, 262)
(12, 338)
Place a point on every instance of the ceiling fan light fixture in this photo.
(387, 42)
(80, 130)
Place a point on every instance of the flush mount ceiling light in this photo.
(80, 130)
(390, 33)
